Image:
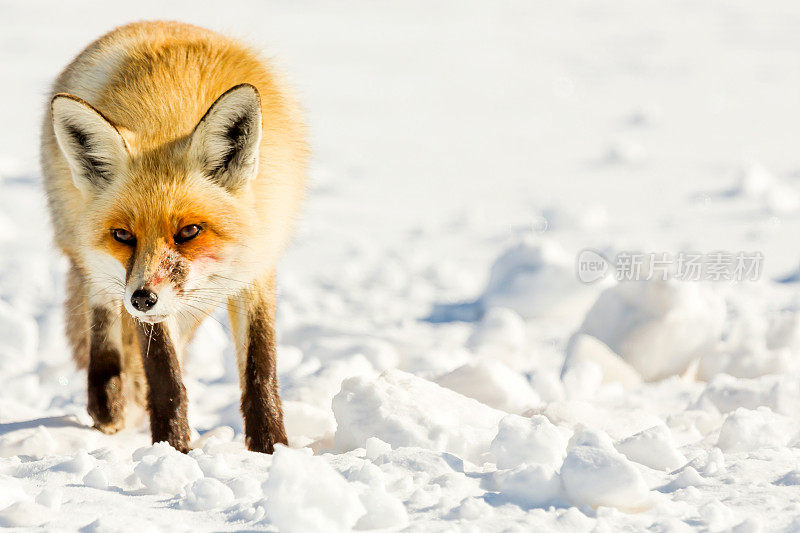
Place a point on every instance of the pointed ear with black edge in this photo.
(93, 147)
(227, 138)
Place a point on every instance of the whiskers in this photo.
(149, 340)
(201, 302)
(99, 286)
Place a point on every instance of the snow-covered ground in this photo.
(441, 365)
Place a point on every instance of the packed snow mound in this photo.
(206, 494)
(758, 339)
(537, 279)
(654, 448)
(530, 486)
(96, 478)
(529, 441)
(725, 393)
(595, 474)
(747, 430)
(164, 470)
(658, 327)
(584, 349)
(492, 383)
(304, 494)
(404, 410)
(383, 510)
(686, 477)
(500, 334)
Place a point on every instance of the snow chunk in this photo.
(536, 280)
(304, 494)
(383, 511)
(493, 383)
(587, 349)
(653, 448)
(50, 498)
(320, 387)
(727, 393)
(718, 515)
(96, 479)
(404, 410)
(159, 449)
(529, 486)
(246, 487)
(581, 380)
(532, 440)
(500, 333)
(212, 437)
(471, 509)
(375, 447)
(205, 494)
(747, 430)
(618, 421)
(167, 473)
(687, 477)
(658, 327)
(304, 420)
(595, 474)
(81, 463)
(212, 465)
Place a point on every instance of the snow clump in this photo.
(404, 410)
(304, 494)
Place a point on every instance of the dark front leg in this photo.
(106, 399)
(261, 402)
(166, 395)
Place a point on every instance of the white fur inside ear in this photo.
(94, 149)
(227, 138)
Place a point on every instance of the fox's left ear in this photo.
(227, 138)
(93, 147)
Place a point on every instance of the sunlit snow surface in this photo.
(464, 153)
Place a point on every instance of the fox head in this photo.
(166, 228)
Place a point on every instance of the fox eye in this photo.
(124, 236)
(187, 233)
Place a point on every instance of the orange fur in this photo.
(154, 82)
(165, 76)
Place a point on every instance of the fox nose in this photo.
(143, 299)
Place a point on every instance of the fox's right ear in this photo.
(93, 147)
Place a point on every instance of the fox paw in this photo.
(107, 404)
(109, 428)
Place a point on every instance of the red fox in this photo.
(174, 161)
